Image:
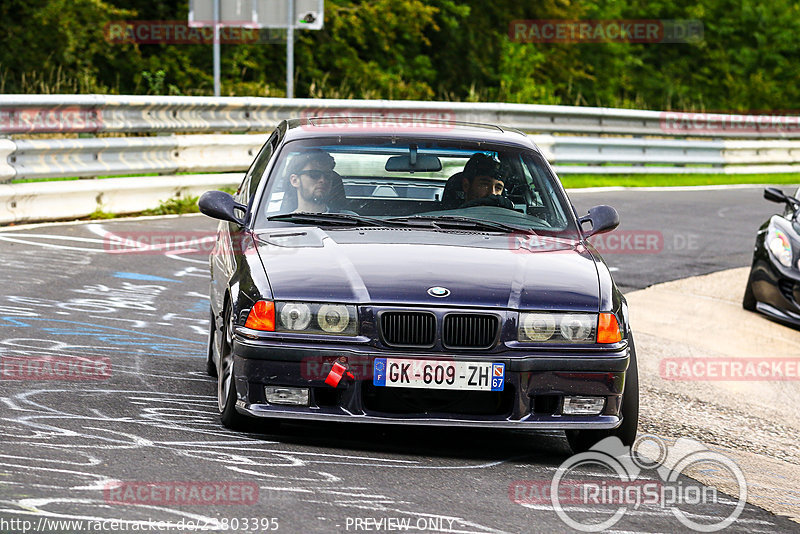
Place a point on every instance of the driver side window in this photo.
(256, 172)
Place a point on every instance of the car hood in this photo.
(398, 266)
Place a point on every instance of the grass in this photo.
(171, 206)
(576, 181)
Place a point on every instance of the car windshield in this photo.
(437, 184)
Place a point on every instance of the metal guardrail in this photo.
(114, 156)
(48, 158)
(136, 114)
(655, 142)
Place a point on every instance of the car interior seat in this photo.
(453, 193)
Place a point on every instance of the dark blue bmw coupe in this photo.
(435, 274)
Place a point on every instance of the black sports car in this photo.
(435, 274)
(773, 287)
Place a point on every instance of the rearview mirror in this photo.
(603, 219)
(220, 205)
(417, 163)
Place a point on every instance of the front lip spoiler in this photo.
(783, 316)
(599, 422)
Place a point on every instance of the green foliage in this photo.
(99, 214)
(155, 81)
(415, 49)
(174, 205)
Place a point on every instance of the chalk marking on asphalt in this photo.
(176, 256)
(49, 245)
(56, 237)
(33, 507)
(296, 490)
(657, 512)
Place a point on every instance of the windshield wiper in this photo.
(340, 219)
(453, 221)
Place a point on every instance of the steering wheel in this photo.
(489, 200)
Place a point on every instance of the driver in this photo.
(484, 182)
(312, 176)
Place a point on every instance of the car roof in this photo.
(370, 126)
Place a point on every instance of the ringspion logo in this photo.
(623, 486)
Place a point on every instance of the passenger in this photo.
(484, 182)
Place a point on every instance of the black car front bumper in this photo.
(776, 289)
(535, 385)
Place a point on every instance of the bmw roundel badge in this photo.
(438, 291)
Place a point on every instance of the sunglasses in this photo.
(317, 175)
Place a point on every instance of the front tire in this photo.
(583, 440)
(211, 367)
(226, 381)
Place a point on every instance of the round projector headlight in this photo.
(538, 326)
(295, 316)
(333, 318)
(575, 327)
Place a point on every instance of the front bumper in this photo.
(535, 385)
(777, 290)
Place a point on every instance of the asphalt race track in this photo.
(150, 416)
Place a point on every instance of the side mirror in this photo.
(773, 194)
(220, 205)
(603, 219)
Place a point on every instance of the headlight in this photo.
(333, 318)
(295, 315)
(540, 327)
(578, 328)
(537, 326)
(316, 318)
(557, 327)
(778, 243)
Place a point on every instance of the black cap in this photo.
(481, 164)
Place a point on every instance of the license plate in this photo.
(435, 374)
